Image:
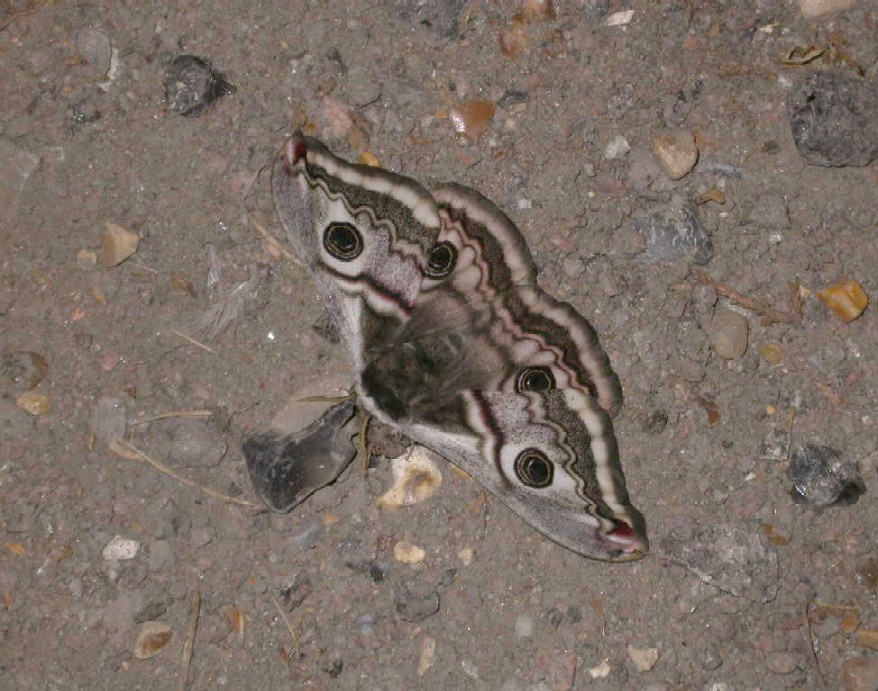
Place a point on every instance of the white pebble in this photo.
(120, 549)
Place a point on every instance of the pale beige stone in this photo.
(817, 8)
(676, 152)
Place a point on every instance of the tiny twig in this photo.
(162, 468)
(295, 651)
(194, 342)
(173, 413)
(768, 314)
(274, 242)
(809, 640)
(362, 442)
(189, 643)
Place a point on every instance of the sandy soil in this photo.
(742, 583)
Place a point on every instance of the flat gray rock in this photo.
(834, 119)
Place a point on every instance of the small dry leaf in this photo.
(17, 549)
(117, 245)
(237, 619)
(846, 299)
(122, 450)
(774, 537)
(331, 519)
(802, 55)
(850, 622)
(408, 553)
(513, 38)
(357, 137)
(34, 403)
(152, 638)
(712, 195)
(472, 118)
(98, 295)
(181, 285)
(25, 368)
(868, 638)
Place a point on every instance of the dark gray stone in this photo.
(821, 478)
(192, 85)
(413, 606)
(834, 119)
(673, 233)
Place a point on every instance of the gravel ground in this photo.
(748, 433)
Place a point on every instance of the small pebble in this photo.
(782, 662)
(860, 674)
(775, 446)
(674, 233)
(821, 478)
(524, 626)
(617, 148)
(109, 419)
(770, 211)
(415, 607)
(192, 85)
(408, 553)
(95, 46)
(710, 658)
(120, 549)
(644, 659)
(676, 152)
(729, 333)
(817, 8)
(772, 353)
(846, 299)
(161, 555)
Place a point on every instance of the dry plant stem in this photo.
(162, 468)
(295, 651)
(809, 641)
(174, 413)
(189, 643)
(194, 342)
(274, 242)
(363, 444)
(769, 314)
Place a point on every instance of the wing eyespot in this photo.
(535, 379)
(441, 260)
(343, 241)
(534, 469)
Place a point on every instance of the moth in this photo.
(453, 344)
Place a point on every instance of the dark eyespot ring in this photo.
(535, 379)
(441, 260)
(343, 241)
(534, 469)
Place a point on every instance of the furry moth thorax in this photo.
(454, 344)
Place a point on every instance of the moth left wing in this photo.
(364, 233)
